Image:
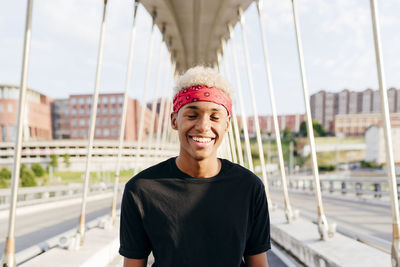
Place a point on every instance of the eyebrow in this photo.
(196, 107)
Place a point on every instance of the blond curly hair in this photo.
(201, 75)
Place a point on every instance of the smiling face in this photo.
(201, 127)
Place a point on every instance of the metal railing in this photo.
(44, 194)
(373, 187)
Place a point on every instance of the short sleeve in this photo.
(134, 242)
(259, 239)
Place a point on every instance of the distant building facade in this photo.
(333, 110)
(37, 122)
(71, 117)
(291, 121)
(357, 124)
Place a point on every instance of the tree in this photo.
(27, 177)
(286, 134)
(53, 161)
(66, 160)
(318, 129)
(5, 174)
(37, 169)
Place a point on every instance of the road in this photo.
(372, 218)
(32, 229)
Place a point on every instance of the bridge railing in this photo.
(373, 187)
(43, 194)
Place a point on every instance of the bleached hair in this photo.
(201, 75)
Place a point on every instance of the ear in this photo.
(174, 118)
(228, 121)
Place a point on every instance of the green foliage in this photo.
(38, 170)
(372, 165)
(27, 177)
(327, 168)
(66, 160)
(3, 183)
(5, 174)
(286, 134)
(318, 129)
(54, 161)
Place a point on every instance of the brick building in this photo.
(357, 124)
(71, 117)
(329, 109)
(292, 121)
(37, 122)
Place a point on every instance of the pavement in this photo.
(301, 238)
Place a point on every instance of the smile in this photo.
(202, 139)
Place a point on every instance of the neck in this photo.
(205, 168)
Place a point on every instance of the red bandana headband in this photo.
(202, 93)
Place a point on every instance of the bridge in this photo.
(316, 220)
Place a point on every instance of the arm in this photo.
(135, 262)
(258, 260)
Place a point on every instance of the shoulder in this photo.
(159, 170)
(240, 172)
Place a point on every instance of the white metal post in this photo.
(322, 221)
(9, 249)
(123, 115)
(81, 227)
(154, 103)
(253, 102)
(234, 122)
(229, 142)
(391, 172)
(288, 208)
(167, 125)
(241, 104)
(146, 84)
(162, 107)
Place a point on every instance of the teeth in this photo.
(201, 139)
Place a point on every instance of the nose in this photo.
(203, 124)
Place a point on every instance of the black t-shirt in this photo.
(187, 221)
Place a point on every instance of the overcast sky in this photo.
(337, 41)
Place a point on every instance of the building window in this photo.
(10, 107)
(113, 121)
(4, 132)
(1, 108)
(98, 132)
(105, 100)
(113, 110)
(74, 122)
(83, 133)
(98, 111)
(75, 133)
(98, 121)
(106, 132)
(105, 121)
(114, 132)
(82, 122)
(120, 110)
(82, 111)
(73, 101)
(73, 112)
(120, 99)
(105, 110)
(82, 101)
(89, 100)
(112, 100)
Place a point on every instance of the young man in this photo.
(196, 209)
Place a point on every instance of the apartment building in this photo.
(291, 121)
(71, 117)
(37, 122)
(334, 110)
